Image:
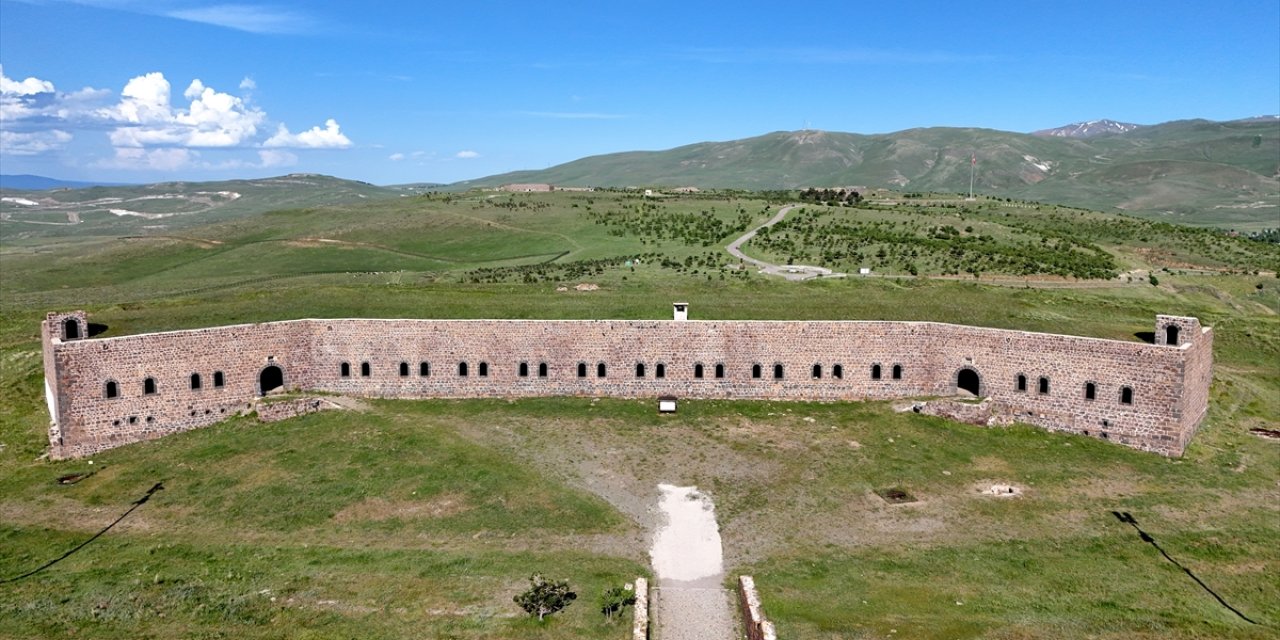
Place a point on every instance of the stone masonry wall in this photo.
(388, 358)
(1198, 376)
(89, 421)
(755, 625)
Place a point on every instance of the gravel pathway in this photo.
(690, 601)
(788, 271)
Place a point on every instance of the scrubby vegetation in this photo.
(427, 518)
(653, 223)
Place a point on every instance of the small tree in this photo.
(545, 597)
(613, 600)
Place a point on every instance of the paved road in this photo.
(788, 271)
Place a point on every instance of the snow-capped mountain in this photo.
(1088, 129)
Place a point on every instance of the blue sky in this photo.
(394, 92)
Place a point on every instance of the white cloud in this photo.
(28, 87)
(32, 143)
(31, 111)
(220, 119)
(212, 119)
(330, 137)
(241, 17)
(248, 18)
(276, 158)
(147, 129)
(467, 154)
(168, 159)
(144, 100)
(418, 156)
(79, 106)
(171, 159)
(23, 99)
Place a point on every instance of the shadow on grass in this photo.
(1128, 518)
(137, 503)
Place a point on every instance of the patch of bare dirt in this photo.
(378, 509)
(1101, 485)
(349, 403)
(998, 489)
(991, 464)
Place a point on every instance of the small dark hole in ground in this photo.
(1265, 433)
(72, 478)
(1148, 337)
(96, 328)
(895, 495)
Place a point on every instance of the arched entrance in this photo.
(270, 379)
(968, 380)
(1171, 335)
(71, 329)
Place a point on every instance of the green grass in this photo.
(425, 518)
(330, 525)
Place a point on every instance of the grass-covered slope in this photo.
(122, 210)
(423, 519)
(1195, 172)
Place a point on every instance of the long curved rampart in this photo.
(104, 393)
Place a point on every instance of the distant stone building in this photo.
(532, 187)
(107, 392)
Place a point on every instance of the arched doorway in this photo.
(71, 329)
(1171, 335)
(968, 380)
(271, 378)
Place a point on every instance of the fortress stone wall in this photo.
(108, 392)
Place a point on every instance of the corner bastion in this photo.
(108, 392)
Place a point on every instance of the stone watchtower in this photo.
(1195, 342)
(56, 329)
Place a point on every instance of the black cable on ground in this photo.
(1127, 518)
(137, 503)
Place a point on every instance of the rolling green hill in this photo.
(424, 518)
(168, 206)
(1194, 172)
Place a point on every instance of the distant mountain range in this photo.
(1189, 171)
(1088, 129)
(1197, 172)
(26, 182)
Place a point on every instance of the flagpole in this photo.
(973, 164)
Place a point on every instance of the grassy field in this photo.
(423, 519)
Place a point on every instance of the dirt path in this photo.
(788, 271)
(690, 602)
